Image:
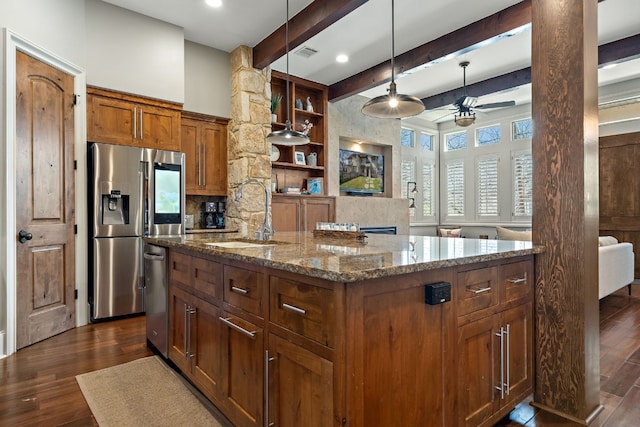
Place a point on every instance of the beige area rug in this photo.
(144, 392)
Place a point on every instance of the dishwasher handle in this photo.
(152, 257)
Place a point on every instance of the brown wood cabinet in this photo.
(120, 118)
(288, 350)
(204, 142)
(300, 213)
(289, 172)
(495, 341)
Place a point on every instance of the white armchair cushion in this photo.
(615, 267)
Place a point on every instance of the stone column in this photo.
(248, 150)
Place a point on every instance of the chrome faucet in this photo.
(267, 231)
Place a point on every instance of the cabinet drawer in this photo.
(477, 290)
(517, 281)
(180, 268)
(242, 289)
(304, 309)
(207, 276)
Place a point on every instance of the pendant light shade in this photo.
(393, 105)
(287, 136)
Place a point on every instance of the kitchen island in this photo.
(392, 330)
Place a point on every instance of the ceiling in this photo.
(365, 36)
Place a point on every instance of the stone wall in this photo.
(248, 150)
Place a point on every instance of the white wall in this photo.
(207, 83)
(59, 31)
(133, 53)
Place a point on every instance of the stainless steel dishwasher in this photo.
(156, 294)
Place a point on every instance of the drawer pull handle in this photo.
(294, 308)
(239, 290)
(480, 291)
(228, 322)
(520, 280)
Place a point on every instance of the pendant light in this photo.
(287, 136)
(393, 105)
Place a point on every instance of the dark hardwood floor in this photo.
(38, 386)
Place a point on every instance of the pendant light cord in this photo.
(286, 43)
(393, 69)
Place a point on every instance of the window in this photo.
(426, 141)
(487, 181)
(427, 189)
(522, 164)
(455, 189)
(407, 137)
(488, 135)
(522, 129)
(408, 174)
(456, 141)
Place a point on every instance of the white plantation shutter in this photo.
(408, 174)
(427, 189)
(522, 164)
(487, 176)
(455, 188)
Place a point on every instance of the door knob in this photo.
(24, 236)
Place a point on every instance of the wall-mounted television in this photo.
(361, 173)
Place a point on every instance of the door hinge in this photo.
(75, 165)
(75, 228)
(75, 99)
(75, 293)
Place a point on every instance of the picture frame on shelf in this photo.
(314, 185)
(299, 158)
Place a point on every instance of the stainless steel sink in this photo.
(238, 244)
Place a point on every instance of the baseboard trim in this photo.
(588, 420)
(3, 337)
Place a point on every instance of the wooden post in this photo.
(565, 220)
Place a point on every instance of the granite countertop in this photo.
(348, 260)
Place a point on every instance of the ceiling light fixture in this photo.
(214, 3)
(287, 136)
(342, 58)
(465, 118)
(393, 105)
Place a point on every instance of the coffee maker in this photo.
(212, 215)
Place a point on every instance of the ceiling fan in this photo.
(464, 106)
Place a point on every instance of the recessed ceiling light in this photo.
(342, 58)
(214, 3)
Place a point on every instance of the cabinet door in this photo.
(317, 210)
(159, 127)
(519, 357)
(243, 371)
(285, 213)
(191, 149)
(214, 158)
(478, 370)
(179, 306)
(206, 348)
(300, 386)
(112, 120)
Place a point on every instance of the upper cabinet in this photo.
(204, 143)
(120, 118)
(308, 102)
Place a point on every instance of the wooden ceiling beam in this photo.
(499, 23)
(314, 18)
(616, 51)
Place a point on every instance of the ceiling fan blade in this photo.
(497, 104)
(448, 114)
(466, 101)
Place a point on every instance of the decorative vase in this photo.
(274, 118)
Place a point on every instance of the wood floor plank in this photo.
(628, 412)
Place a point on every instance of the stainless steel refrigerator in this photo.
(132, 192)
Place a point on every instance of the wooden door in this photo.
(300, 386)
(520, 345)
(620, 190)
(317, 210)
(214, 159)
(285, 213)
(190, 146)
(206, 348)
(179, 307)
(243, 371)
(159, 127)
(111, 120)
(478, 371)
(45, 189)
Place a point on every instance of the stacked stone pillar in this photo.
(248, 150)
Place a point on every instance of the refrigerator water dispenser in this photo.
(115, 208)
